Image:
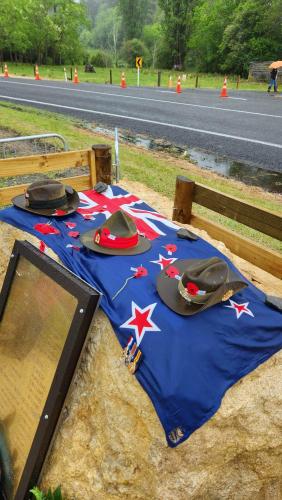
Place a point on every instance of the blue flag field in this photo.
(188, 362)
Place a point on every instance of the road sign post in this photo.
(138, 62)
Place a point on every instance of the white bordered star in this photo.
(141, 321)
(163, 261)
(240, 308)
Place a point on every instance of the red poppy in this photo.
(171, 248)
(172, 271)
(140, 272)
(192, 288)
(46, 229)
(42, 246)
(60, 212)
(70, 225)
(105, 232)
(73, 234)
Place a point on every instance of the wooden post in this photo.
(159, 78)
(92, 168)
(183, 199)
(111, 77)
(238, 82)
(197, 80)
(71, 73)
(103, 162)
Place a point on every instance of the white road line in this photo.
(237, 98)
(143, 120)
(175, 103)
(229, 97)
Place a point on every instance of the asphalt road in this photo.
(246, 127)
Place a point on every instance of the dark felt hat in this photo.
(191, 286)
(48, 197)
(117, 236)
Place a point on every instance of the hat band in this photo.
(38, 204)
(111, 241)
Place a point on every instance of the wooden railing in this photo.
(264, 221)
(97, 160)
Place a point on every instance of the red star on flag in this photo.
(240, 308)
(163, 261)
(140, 321)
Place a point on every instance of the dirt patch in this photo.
(28, 147)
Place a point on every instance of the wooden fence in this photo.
(97, 161)
(266, 222)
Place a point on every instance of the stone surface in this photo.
(110, 444)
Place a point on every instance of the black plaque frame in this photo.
(88, 301)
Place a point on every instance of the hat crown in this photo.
(44, 190)
(208, 274)
(120, 224)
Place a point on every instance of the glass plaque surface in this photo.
(35, 324)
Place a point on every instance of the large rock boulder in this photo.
(110, 444)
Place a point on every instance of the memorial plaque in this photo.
(45, 313)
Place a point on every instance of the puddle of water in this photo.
(254, 176)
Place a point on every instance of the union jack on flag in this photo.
(92, 203)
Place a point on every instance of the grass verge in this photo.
(148, 77)
(155, 170)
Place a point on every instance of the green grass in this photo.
(148, 77)
(155, 170)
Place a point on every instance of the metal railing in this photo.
(32, 144)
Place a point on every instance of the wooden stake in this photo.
(103, 161)
(183, 199)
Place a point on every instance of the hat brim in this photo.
(69, 207)
(168, 290)
(87, 239)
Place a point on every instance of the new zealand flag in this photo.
(188, 362)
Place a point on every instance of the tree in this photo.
(132, 49)
(209, 21)
(133, 14)
(107, 31)
(68, 19)
(152, 37)
(14, 37)
(37, 31)
(254, 33)
(176, 26)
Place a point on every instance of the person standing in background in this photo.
(273, 79)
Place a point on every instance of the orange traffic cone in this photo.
(6, 74)
(178, 86)
(37, 77)
(75, 78)
(170, 82)
(123, 82)
(223, 92)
